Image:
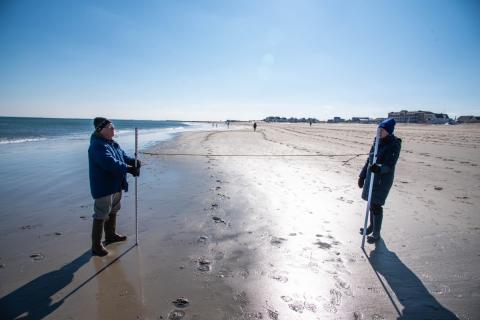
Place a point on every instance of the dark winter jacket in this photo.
(107, 166)
(387, 156)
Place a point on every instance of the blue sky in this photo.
(214, 60)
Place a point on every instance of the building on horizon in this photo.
(419, 116)
(290, 120)
(336, 120)
(365, 120)
(468, 119)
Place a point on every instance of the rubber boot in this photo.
(97, 247)
(370, 226)
(110, 235)
(377, 226)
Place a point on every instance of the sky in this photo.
(249, 59)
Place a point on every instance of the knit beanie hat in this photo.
(388, 125)
(99, 123)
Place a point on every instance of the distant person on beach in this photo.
(254, 126)
(384, 170)
(108, 166)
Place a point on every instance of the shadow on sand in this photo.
(34, 299)
(417, 302)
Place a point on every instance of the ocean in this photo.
(44, 162)
(25, 130)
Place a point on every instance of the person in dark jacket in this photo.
(384, 171)
(108, 166)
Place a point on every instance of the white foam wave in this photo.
(9, 141)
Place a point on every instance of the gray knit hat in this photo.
(99, 123)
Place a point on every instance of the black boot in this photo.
(110, 235)
(377, 226)
(97, 247)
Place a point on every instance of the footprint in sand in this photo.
(254, 315)
(218, 220)
(202, 239)
(244, 274)
(335, 297)
(342, 285)
(277, 241)
(280, 278)
(176, 315)
(323, 245)
(335, 300)
(272, 313)
(181, 302)
(37, 256)
(204, 265)
(219, 255)
(329, 308)
(311, 307)
(345, 200)
(241, 298)
(297, 306)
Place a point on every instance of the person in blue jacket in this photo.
(384, 171)
(108, 166)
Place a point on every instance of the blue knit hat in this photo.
(388, 125)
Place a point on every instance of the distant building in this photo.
(468, 119)
(419, 116)
(336, 120)
(361, 120)
(440, 118)
(291, 120)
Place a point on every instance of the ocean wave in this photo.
(23, 140)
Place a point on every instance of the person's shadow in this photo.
(418, 303)
(34, 299)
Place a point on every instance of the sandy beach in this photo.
(257, 225)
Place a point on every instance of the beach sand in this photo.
(243, 235)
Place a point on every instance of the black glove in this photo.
(375, 168)
(139, 164)
(361, 181)
(133, 171)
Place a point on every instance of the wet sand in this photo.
(265, 237)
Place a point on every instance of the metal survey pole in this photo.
(136, 188)
(370, 187)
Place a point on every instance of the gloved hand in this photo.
(133, 171)
(139, 163)
(361, 181)
(375, 168)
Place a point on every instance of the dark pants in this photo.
(376, 209)
(376, 217)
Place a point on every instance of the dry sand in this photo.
(269, 237)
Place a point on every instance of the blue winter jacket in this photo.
(387, 156)
(107, 166)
